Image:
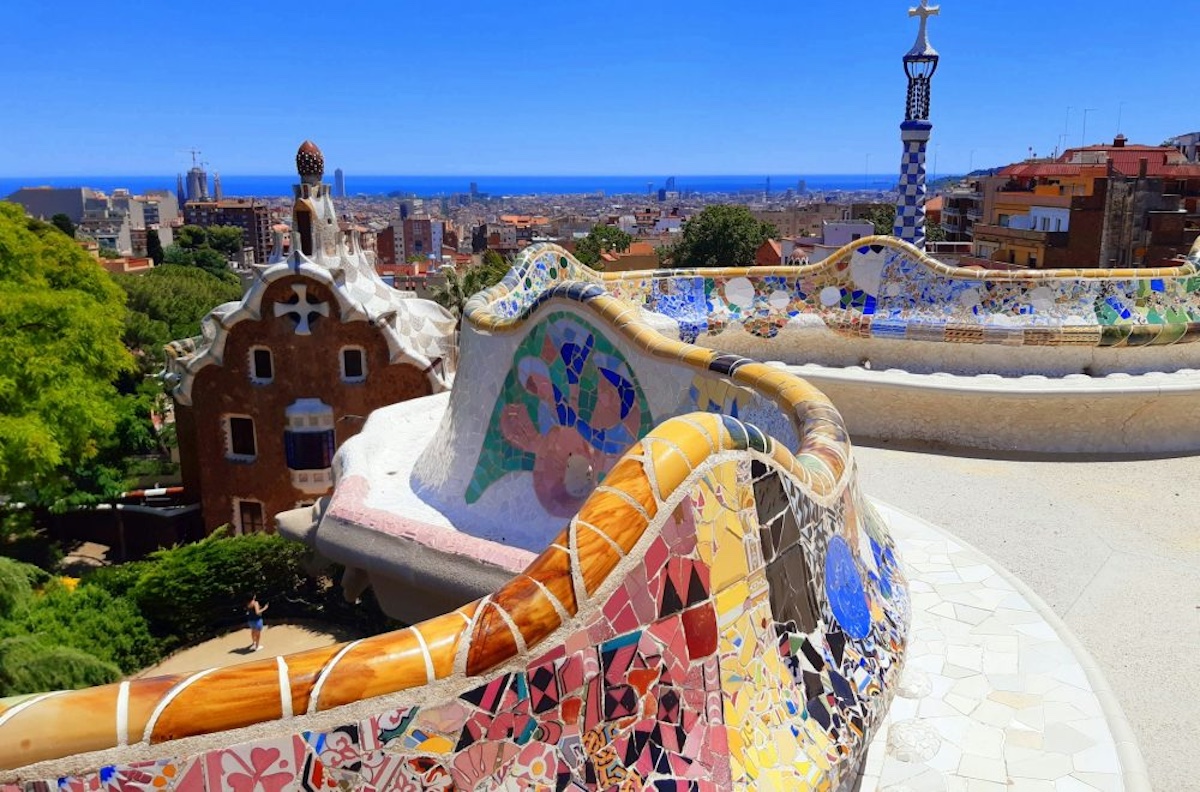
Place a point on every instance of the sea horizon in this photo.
(233, 185)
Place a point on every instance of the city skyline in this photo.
(484, 91)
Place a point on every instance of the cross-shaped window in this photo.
(302, 308)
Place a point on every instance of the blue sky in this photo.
(534, 87)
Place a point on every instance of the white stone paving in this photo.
(992, 697)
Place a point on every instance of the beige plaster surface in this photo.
(1112, 545)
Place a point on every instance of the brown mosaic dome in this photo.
(310, 161)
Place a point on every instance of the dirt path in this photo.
(234, 647)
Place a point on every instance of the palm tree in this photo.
(459, 287)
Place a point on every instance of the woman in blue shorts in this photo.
(254, 620)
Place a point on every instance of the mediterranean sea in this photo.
(426, 186)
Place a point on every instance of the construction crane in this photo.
(194, 152)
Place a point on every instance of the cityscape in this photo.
(671, 421)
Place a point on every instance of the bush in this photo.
(15, 586)
(194, 591)
(29, 666)
(118, 580)
(90, 620)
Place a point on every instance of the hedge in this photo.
(29, 666)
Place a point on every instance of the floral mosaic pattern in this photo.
(570, 405)
(727, 657)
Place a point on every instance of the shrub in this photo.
(29, 666)
(90, 620)
(118, 580)
(17, 581)
(195, 590)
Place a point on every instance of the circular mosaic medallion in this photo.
(844, 587)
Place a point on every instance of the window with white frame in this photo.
(262, 365)
(354, 364)
(240, 442)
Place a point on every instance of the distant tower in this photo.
(217, 194)
(197, 184)
(670, 184)
(474, 190)
(339, 183)
(180, 195)
(919, 64)
(768, 187)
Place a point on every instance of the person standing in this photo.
(254, 620)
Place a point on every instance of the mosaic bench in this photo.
(722, 610)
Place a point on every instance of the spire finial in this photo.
(310, 163)
(922, 46)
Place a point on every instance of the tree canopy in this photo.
(61, 322)
(720, 236)
(461, 286)
(208, 249)
(168, 302)
(154, 248)
(64, 224)
(600, 240)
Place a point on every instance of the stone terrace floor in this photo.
(1112, 546)
(991, 698)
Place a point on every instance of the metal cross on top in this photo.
(303, 308)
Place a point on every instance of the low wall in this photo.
(1144, 414)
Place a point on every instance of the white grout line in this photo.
(285, 687)
(316, 691)
(167, 699)
(429, 674)
(123, 715)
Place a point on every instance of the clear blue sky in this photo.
(535, 87)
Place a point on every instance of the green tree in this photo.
(226, 240)
(61, 320)
(495, 267)
(212, 262)
(29, 666)
(721, 236)
(89, 619)
(16, 586)
(191, 237)
(168, 303)
(64, 224)
(882, 216)
(600, 240)
(154, 248)
(458, 287)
